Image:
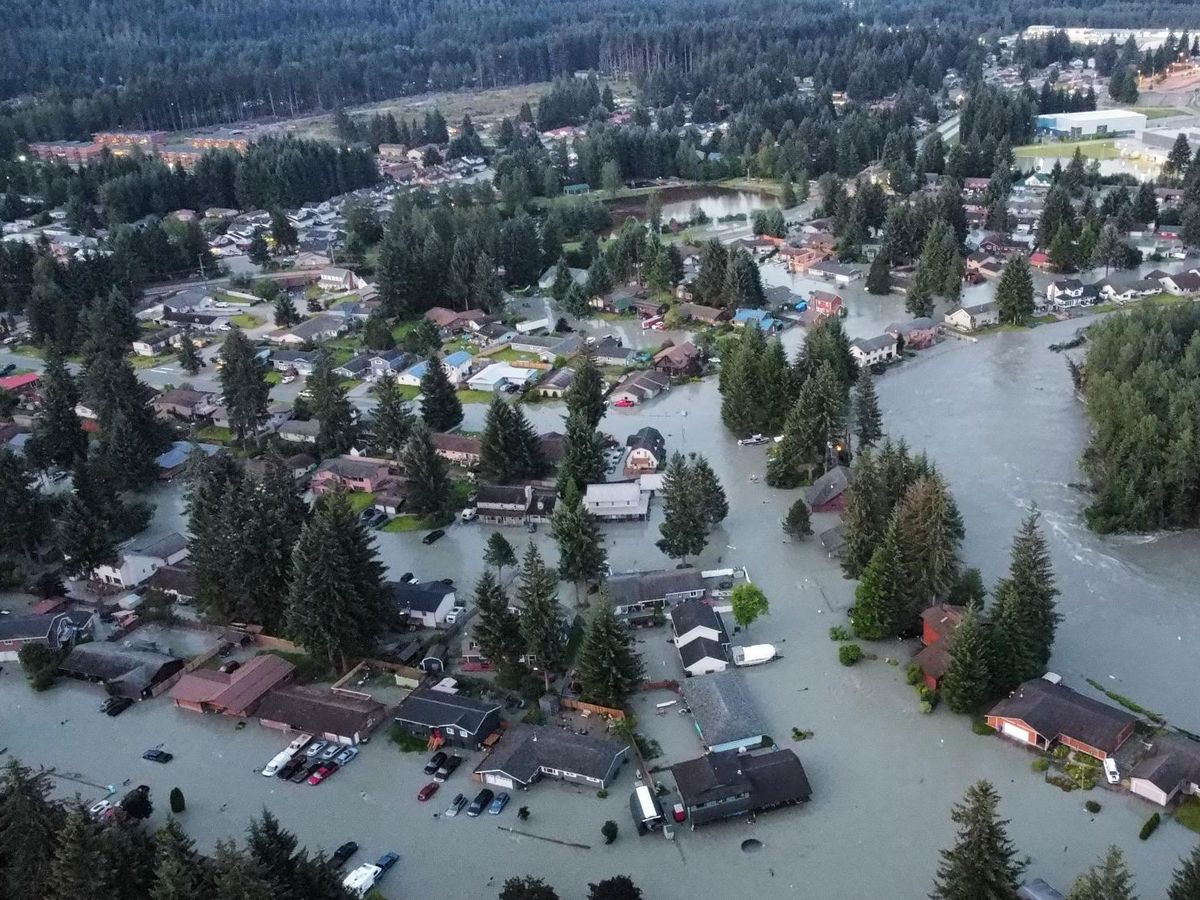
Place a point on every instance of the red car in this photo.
(624, 403)
(679, 812)
(428, 791)
(322, 773)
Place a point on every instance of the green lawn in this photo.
(510, 355)
(406, 523)
(759, 185)
(469, 396)
(1188, 813)
(349, 384)
(1159, 112)
(274, 377)
(1066, 149)
(215, 434)
(28, 350)
(245, 320)
(360, 500)
(149, 362)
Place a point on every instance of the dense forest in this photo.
(1142, 386)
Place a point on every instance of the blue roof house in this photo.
(760, 318)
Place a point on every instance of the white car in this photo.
(469, 514)
(361, 880)
(753, 441)
(452, 616)
(1111, 772)
(99, 809)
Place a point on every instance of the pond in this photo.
(677, 202)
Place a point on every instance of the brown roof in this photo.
(320, 712)
(456, 443)
(944, 618)
(441, 316)
(680, 355)
(236, 692)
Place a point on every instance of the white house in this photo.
(334, 278)
(1172, 768)
(869, 351)
(700, 637)
(1181, 284)
(497, 375)
(1065, 293)
(456, 366)
(138, 564)
(618, 500)
(424, 603)
(970, 318)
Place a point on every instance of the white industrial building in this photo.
(1099, 123)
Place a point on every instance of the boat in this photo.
(754, 655)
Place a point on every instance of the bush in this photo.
(980, 726)
(523, 813)
(913, 675)
(798, 735)
(1150, 827)
(926, 706)
(40, 664)
(1041, 764)
(1092, 806)
(609, 830)
(534, 716)
(177, 803)
(849, 654)
(407, 743)
(840, 633)
(648, 747)
(1061, 781)
(1062, 751)
(601, 794)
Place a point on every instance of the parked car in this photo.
(304, 772)
(433, 536)
(435, 762)
(624, 403)
(313, 749)
(679, 812)
(345, 756)
(8, 370)
(407, 578)
(388, 860)
(100, 808)
(367, 514)
(428, 791)
(468, 515)
(232, 666)
(480, 803)
(158, 756)
(446, 769)
(289, 378)
(331, 750)
(107, 704)
(292, 766)
(456, 806)
(1111, 772)
(498, 804)
(121, 704)
(343, 853)
(323, 772)
(754, 440)
(452, 616)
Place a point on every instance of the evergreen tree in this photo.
(609, 668)
(336, 600)
(175, 875)
(918, 301)
(1025, 615)
(497, 629)
(967, 683)
(883, 597)
(562, 281)
(259, 253)
(377, 335)
(22, 509)
(123, 455)
(1176, 165)
(527, 887)
(76, 872)
(798, 523)
(743, 283)
(86, 533)
(338, 430)
(57, 437)
(1186, 883)
(868, 421)
(585, 395)
(741, 403)
(391, 421)
(684, 528)
(814, 425)
(711, 501)
(111, 326)
(581, 553)
(774, 388)
(283, 311)
(788, 195)
(189, 355)
(541, 619)
(427, 473)
(272, 848)
(1108, 880)
(982, 865)
(1014, 292)
(582, 462)
(1109, 247)
(29, 830)
(879, 275)
(440, 407)
(1062, 250)
(244, 384)
(499, 553)
(509, 448)
(283, 233)
(931, 532)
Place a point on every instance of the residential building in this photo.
(351, 473)
(837, 272)
(237, 693)
(447, 718)
(1182, 284)
(726, 715)
(423, 603)
(873, 351)
(680, 361)
(453, 322)
(527, 753)
(828, 493)
(917, 334)
(124, 672)
(636, 596)
(153, 343)
(24, 384)
(374, 365)
(57, 630)
(1065, 293)
(302, 362)
(1124, 289)
(1041, 714)
(499, 504)
(617, 501)
(938, 625)
(456, 366)
(459, 449)
(759, 318)
(136, 565)
(330, 716)
(694, 312)
(647, 451)
(499, 376)
(277, 414)
(547, 347)
(172, 460)
(555, 384)
(194, 319)
(184, 403)
(578, 276)
(609, 351)
(726, 784)
(826, 304)
(641, 386)
(1172, 769)
(311, 331)
(700, 637)
(336, 279)
(297, 432)
(974, 317)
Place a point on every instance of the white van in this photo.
(362, 879)
(1110, 770)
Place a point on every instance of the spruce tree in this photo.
(336, 601)
(1025, 615)
(123, 456)
(76, 871)
(391, 421)
(499, 553)
(57, 437)
(427, 473)
(87, 535)
(1110, 879)
(562, 281)
(268, 519)
(868, 421)
(1014, 292)
(684, 528)
(215, 486)
(440, 407)
(866, 514)
(879, 275)
(581, 553)
(774, 388)
(798, 523)
(1062, 249)
(188, 356)
(967, 684)
(338, 431)
(23, 511)
(541, 618)
(1186, 883)
(585, 395)
(29, 830)
(609, 668)
(882, 598)
(244, 383)
(931, 531)
(497, 629)
(738, 383)
(259, 253)
(711, 501)
(982, 864)
(919, 300)
(175, 876)
(583, 455)
(283, 311)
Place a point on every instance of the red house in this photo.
(938, 624)
(1041, 713)
(20, 384)
(353, 474)
(826, 304)
(1039, 260)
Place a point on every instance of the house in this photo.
(24, 384)
(833, 541)
(276, 415)
(1182, 284)
(374, 365)
(57, 630)
(302, 362)
(637, 595)
(499, 504)
(554, 385)
(424, 603)
(451, 322)
(197, 321)
(184, 403)
(499, 376)
(828, 493)
(938, 625)
(618, 501)
(695, 312)
(528, 752)
(351, 473)
(137, 565)
(335, 279)
(1065, 293)
(974, 317)
(836, 272)
(641, 386)
(311, 331)
(237, 693)
(723, 785)
(1126, 289)
(1172, 769)
(760, 318)
(609, 351)
(1040, 714)
(916, 334)
(455, 365)
(457, 448)
(155, 342)
(1039, 260)
(700, 638)
(343, 718)
(647, 307)
(826, 304)
(726, 715)
(554, 446)
(547, 347)
(297, 432)
(172, 460)
(178, 582)
(680, 361)
(447, 718)
(124, 672)
(872, 351)
(647, 451)
(578, 276)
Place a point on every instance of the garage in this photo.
(1016, 733)
(500, 781)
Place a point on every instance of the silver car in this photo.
(331, 750)
(456, 806)
(314, 748)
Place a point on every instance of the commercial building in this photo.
(1098, 123)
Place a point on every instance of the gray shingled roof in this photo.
(829, 486)
(701, 648)
(1054, 709)
(695, 613)
(1174, 761)
(525, 750)
(437, 709)
(639, 587)
(424, 596)
(723, 708)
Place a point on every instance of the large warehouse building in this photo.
(1102, 122)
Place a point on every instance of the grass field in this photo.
(1160, 112)
(360, 500)
(149, 362)
(1066, 149)
(215, 434)
(1188, 814)
(245, 320)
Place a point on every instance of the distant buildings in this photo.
(1100, 122)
